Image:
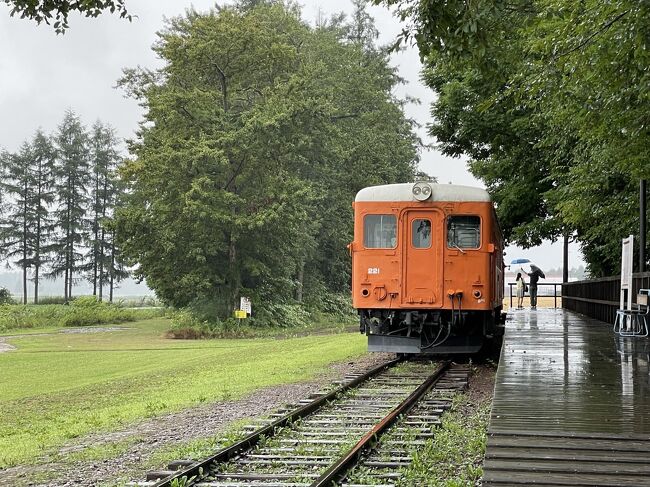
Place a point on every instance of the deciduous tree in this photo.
(548, 99)
(257, 134)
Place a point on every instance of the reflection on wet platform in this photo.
(572, 403)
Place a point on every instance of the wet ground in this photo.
(571, 405)
(563, 371)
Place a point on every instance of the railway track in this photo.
(361, 433)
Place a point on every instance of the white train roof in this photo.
(440, 192)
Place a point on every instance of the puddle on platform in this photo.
(561, 371)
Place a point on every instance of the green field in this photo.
(60, 386)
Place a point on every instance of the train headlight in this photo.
(422, 191)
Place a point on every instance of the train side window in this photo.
(421, 233)
(380, 231)
(464, 231)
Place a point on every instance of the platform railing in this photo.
(540, 287)
(599, 298)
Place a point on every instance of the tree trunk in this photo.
(25, 253)
(25, 265)
(68, 273)
(71, 261)
(102, 242)
(70, 280)
(112, 272)
(565, 259)
(100, 278)
(36, 269)
(95, 278)
(65, 282)
(235, 278)
(37, 259)
(301, 278)
(24, 278)
(96, 233)
(37, 242)
(71, 249)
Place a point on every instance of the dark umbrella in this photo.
(538, 271)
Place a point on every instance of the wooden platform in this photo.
(571, 405)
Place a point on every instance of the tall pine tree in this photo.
(42, 173)
(15, 226)
(104, 160)
(25, 226)
(72, 180)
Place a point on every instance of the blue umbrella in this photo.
(520, 261)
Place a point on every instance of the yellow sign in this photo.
(240, 314)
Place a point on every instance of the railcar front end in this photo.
(427, 268)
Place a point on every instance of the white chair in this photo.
(634, 322)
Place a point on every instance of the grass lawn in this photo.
(61, 386)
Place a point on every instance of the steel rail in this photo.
(337, 472)
(200, 467)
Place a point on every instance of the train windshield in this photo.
(421, 233)
(380, 231)
(464, 232)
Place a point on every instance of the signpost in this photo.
(245, 309)
(245, 305)
(627, 253)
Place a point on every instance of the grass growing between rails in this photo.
(82, 311)
(200, 448)
(454, 456)
(57, 387)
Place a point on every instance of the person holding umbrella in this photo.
(534, 276)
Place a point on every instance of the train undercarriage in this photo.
(433, 332)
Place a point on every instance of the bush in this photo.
(187, 325)
(54, 300)
(5, 296)
(87, 310)
(139, 302)
(339, 305)
(333, 312)
(282, 316)
(83, 311)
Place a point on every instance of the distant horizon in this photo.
(12, 280)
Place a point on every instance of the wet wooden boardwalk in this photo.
(571, 405)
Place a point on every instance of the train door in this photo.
(422, 266)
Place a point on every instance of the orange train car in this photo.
(427, 268)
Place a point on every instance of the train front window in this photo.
(380, 231)
(464, 232)
(421, 233)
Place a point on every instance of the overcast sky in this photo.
(43, 74)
